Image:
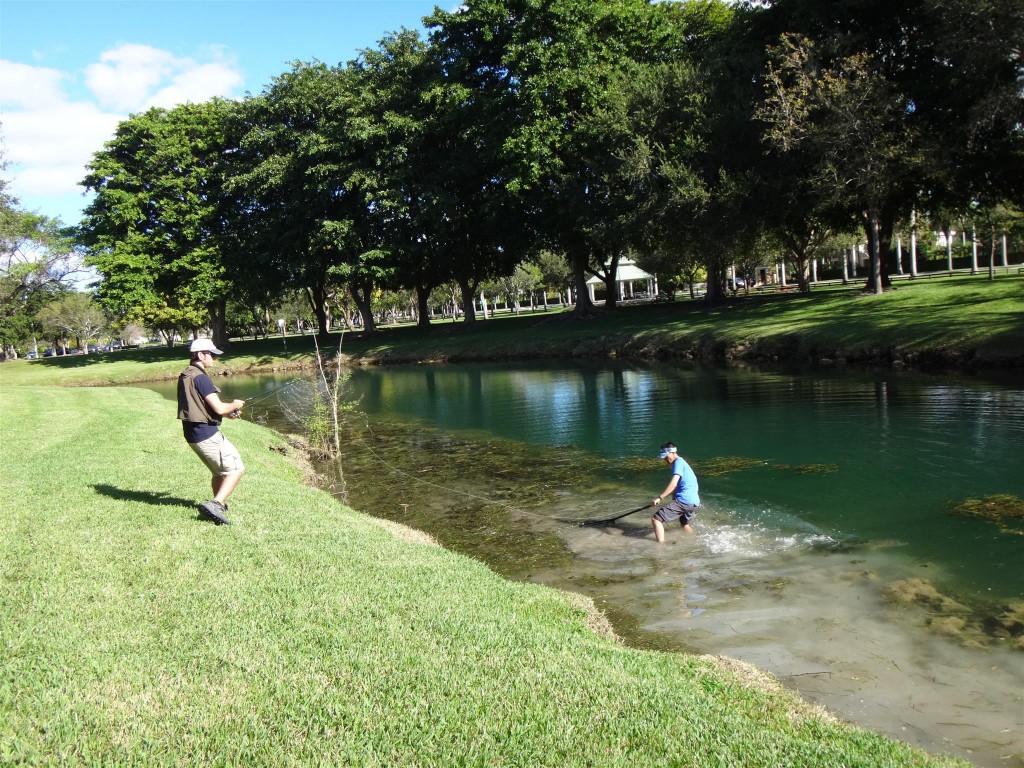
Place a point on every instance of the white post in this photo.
(782, 272)
(854, 254)
(483, 305)
(846, 267)
(974, 251)
(949, 252)
(1005, 264)
(899, 255)
(814, 269)
(913, 243)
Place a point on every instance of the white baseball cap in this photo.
(204, 345)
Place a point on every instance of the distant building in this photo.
(627, 276)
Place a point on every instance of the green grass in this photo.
(134, 634)
(967, 321)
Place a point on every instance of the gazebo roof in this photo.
(626, 272)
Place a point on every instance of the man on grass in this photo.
(201, 411)
(682, 486)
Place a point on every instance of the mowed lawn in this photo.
(133, 633)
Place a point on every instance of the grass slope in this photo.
(132, 633)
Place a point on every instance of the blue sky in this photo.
(70, 70)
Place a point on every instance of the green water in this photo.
(904, 447)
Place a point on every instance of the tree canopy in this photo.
(689, 135)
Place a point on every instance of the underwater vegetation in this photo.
(720, 465)
(980, 626)
(806, 469)
(1004, 510)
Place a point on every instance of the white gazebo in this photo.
(627, 274)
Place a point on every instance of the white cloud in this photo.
(132, 78)
(23, 85)
(199, 84)
(125, 77)
(50, 145)
(49, 136)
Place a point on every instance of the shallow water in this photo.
(825, 549)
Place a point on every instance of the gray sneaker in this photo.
(215, 511)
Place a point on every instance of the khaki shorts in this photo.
(219, 455)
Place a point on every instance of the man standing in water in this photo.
(201, 411)
(682, 487)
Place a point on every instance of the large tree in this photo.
(153, 230)
(473, 214)
(37, 262)
(299, 192)
(392, 84)
(73, 316)
(543, 69)
(902, 104)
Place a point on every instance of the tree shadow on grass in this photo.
(145, 497)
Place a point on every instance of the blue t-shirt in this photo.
(197, 431)
(686, 488)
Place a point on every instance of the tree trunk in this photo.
(362, 294)
(218, 322)
(716, 281)
(873, 227)
(611, 284)
(584, 306)
(468, 290)
(422, 306)
(317, 298)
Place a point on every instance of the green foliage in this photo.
(300, 192)
(36, 260)
(889, 109)
(72, 316)
(153, 230)
(319, 432)
(689, 135)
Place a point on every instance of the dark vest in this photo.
(191, 406)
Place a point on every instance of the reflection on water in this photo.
(825, 552)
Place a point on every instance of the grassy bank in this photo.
(134, 633)
(946, 322)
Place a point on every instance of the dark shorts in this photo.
(676, 510)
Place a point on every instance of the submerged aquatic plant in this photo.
(1004, 510)
(977, 624)
(720, 465)
(806, 469)
(442, 476)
